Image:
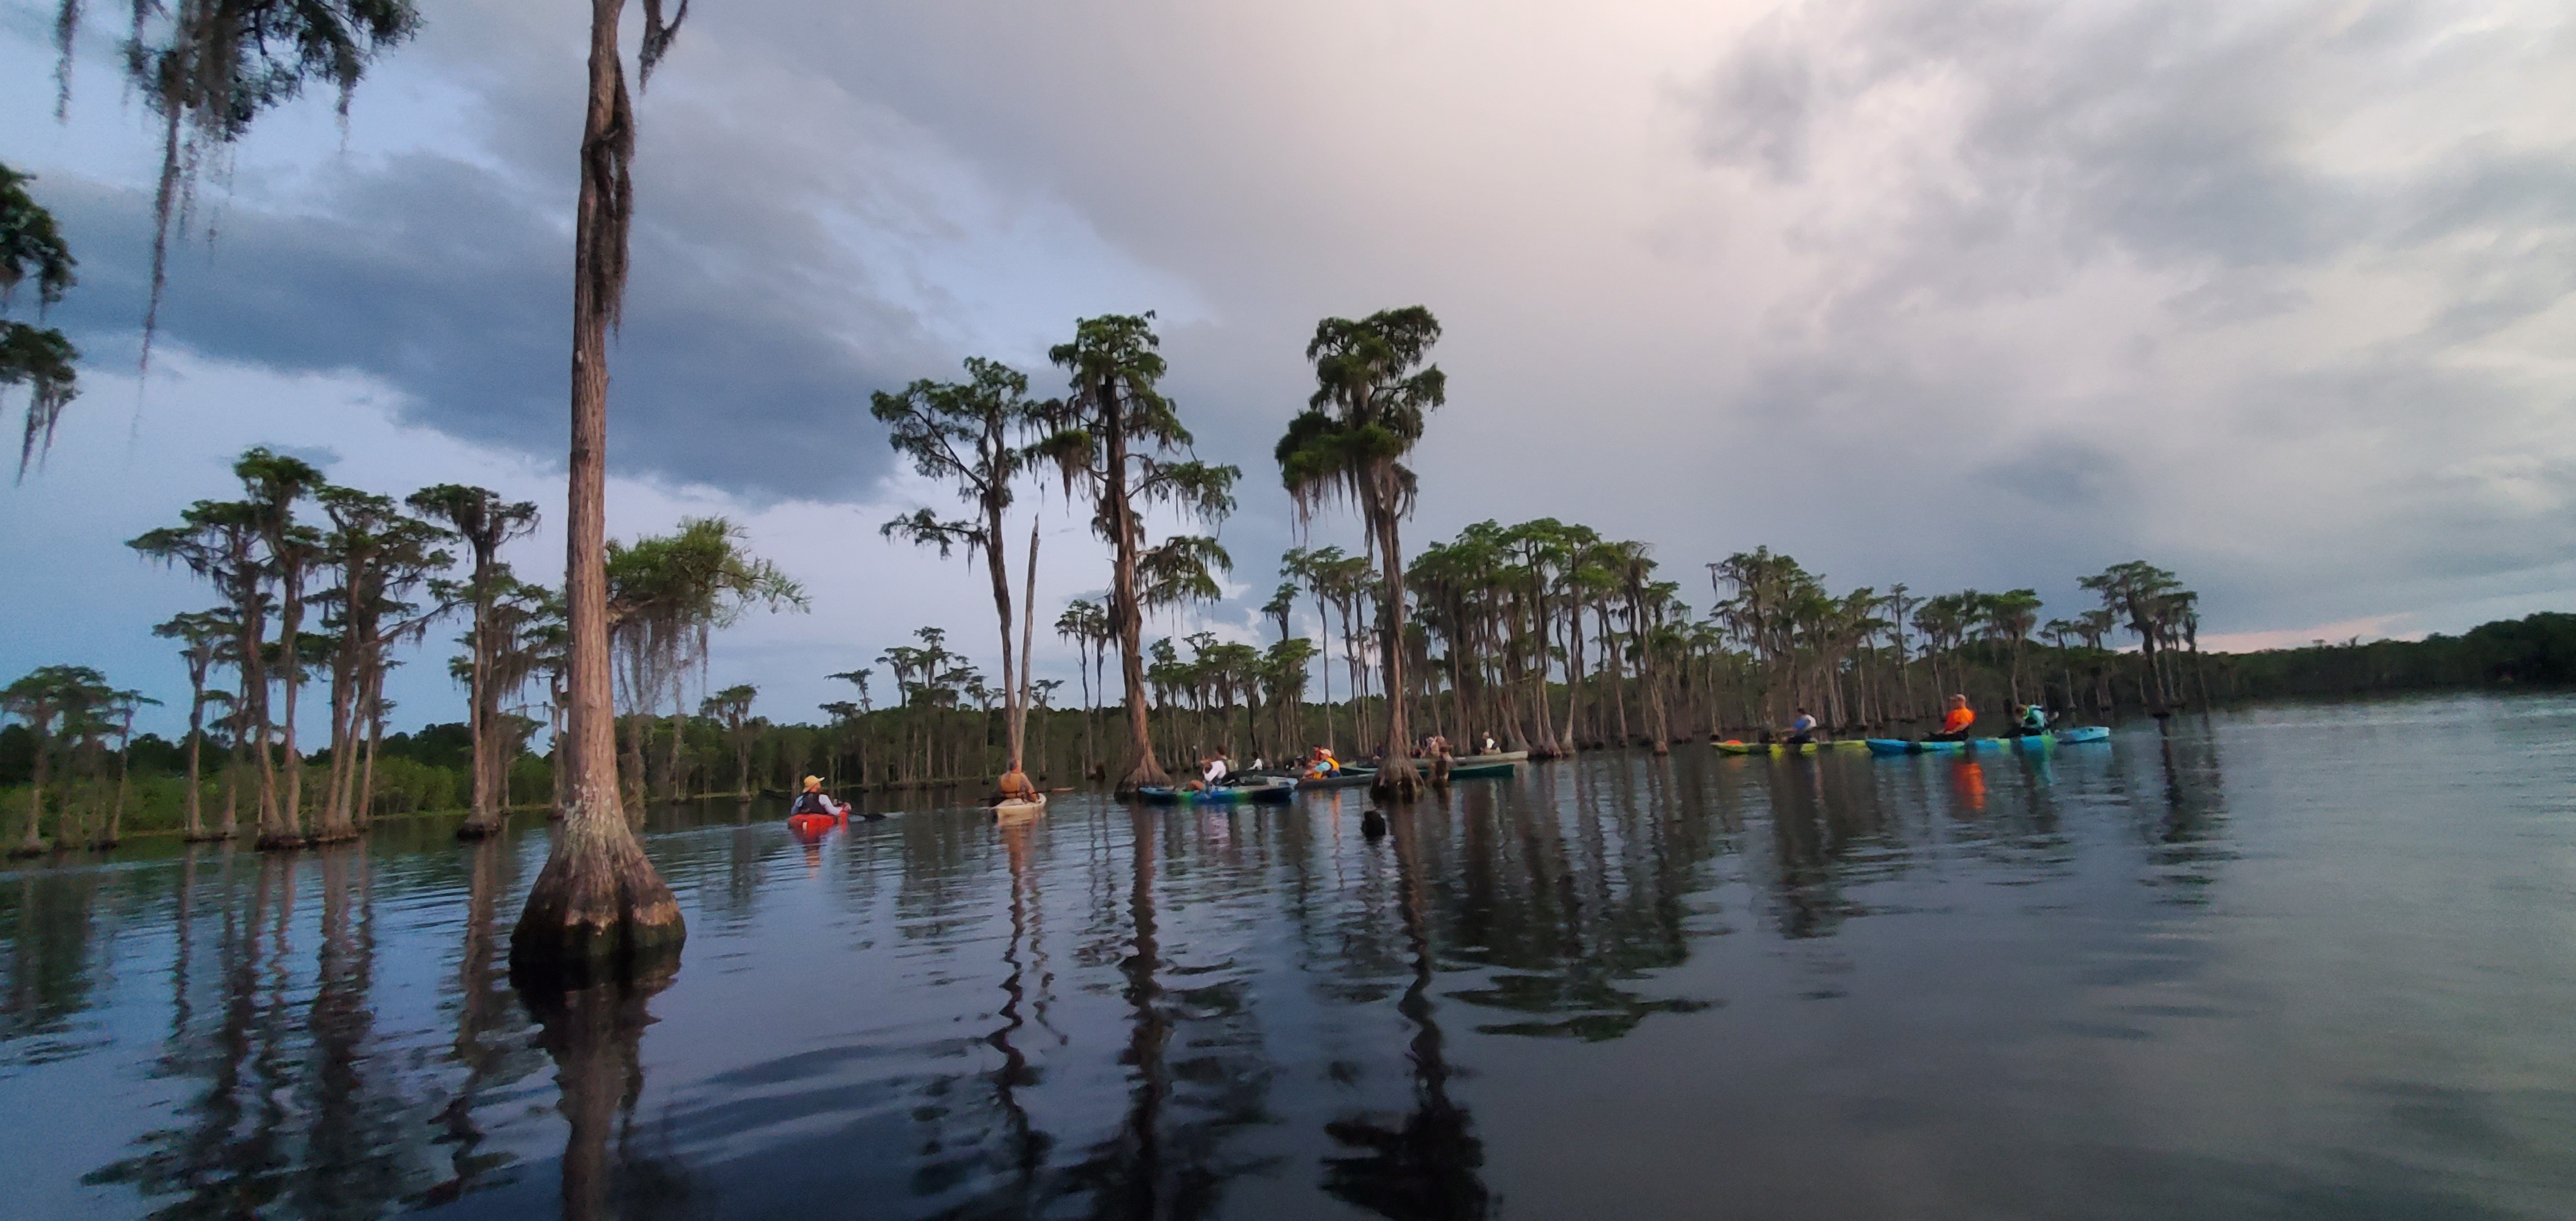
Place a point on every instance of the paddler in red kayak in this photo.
(814, 804)
(1954, 726)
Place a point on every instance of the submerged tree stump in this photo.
(1397, 779)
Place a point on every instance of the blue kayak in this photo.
(1266, 790)
(1899, 746)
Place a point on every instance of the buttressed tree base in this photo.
(598, 912)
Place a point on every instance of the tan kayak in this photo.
(1012, 811)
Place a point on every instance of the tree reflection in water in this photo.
(354, 1150)
(2186, 841)
(1426, 1165)
(1567, 926)
(1168, 1158)
(491, 1046)
(1024, 996)
(214, 1166)
(50, 973)
(594, 1035)
(290, 1105)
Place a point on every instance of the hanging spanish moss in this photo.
(209, 68)
(31, 247)
(44, 360)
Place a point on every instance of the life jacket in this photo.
(812, 803)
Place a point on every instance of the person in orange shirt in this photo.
(1954, 726)
(1013, 786)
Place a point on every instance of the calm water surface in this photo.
(2297, 962)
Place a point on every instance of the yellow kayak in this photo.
(1776, 748)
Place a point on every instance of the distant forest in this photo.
(2538, 650)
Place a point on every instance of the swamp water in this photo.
(2311, 961)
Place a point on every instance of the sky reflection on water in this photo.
(2298, 962)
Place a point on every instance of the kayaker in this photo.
(1212, 772)
(815, 801)
(1803, 730)
(2034, 721)
(1489, 744)
(1013, 786)
(1320, 764)
(1955, 725)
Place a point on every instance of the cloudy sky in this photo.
(2276, 295)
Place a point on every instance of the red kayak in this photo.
(811, 824)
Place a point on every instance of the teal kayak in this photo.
(2058, 737)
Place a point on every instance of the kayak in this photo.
(1783, 748)
(1480, 771)
(811, 824)
(1011, 811)
(2087, 733)
(1347, 778)
(1270, 791)
(1899, 746)
(1500, 756)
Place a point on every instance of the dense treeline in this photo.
(2538, 650)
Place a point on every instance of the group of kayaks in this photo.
(1271, 787)
(1276, 788)
(1901, 746)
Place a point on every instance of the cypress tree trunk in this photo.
(33, 841)
(598, 907)
(196, 824)
(362, 803)
(1125, 615)
(1397, 778)
(289, 833)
